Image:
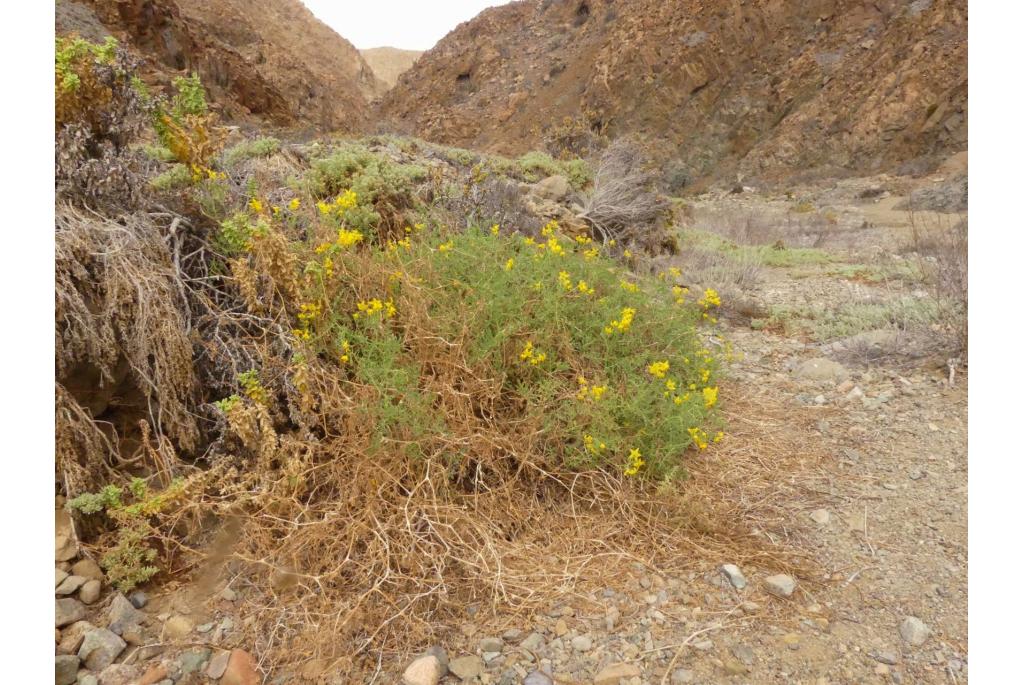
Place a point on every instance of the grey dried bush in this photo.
(623, 204)
(122, 319)
(940, 248)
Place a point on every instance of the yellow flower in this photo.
(347, 238)
(633, 463)
(710, 299)
(675, 271)
(710, 397)
(346, 200)
(718, 437)
(555, 246)
(564, 280)
(678, 400)
(699, 437)
(323, 207)
(275, 209)
(446, 247)
(549, 228)
(598, 391)
(670, 384)
(256, 206)
(584, 288)
(509, 264)
(538, 358)
(294, 204)
(322, 247)
(591, 253)
(627, 254)
(527, 351)
(623, 323)
(495, 230)
(658, 369)
(629, 287)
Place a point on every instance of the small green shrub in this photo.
(534, 166)
(250, 149)
(130, 561)
(177, 176)
(158, 153)
(236, 232)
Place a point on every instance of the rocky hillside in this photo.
(764, 87)
(389, 63)
(272, 61)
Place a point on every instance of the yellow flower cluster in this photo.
(530, 355)
(658, 369)
(633, 462)
(393, 245)
(495, 230)
(346, 200)
(699, 437)
(623, 323)
(549, 228)
(256, 206)
(564, 280)
(509, 264)
(592, 446)
(348, 238)
(680, 293)
(446, 247)
(368, 308)
(710, 397)
(629, 287)
(346, 349)
(591, 253)
(294, 204)
(584, 288)
(588, 391)
(710, 299)
(308, 313)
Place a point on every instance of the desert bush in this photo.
(575, 137)
(177, 176)
(623, 205)
(939, 249)
(534, 166)
(98, 113)
(185, 125)
(250, 149)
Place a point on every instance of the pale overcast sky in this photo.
(408, 24)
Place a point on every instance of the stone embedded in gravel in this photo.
(88, 679)
(138, 599)
(750, 607)
(65, 544)
(425, 670)
(733, 666)
(218, 664)
(122, 614)
(885, 656)
(87, 568)
(66, 666)
(177, 627)
(155, 674)
(682, 676)
(820, 516)
(735, 576)
(228, 595)
(240, 670)
(703, 645)
(442, 657)
(614, 674)
(492, 644)
(538, 678)
(119, 674)
(780, 585)
(821, 369)
(70, 585)
(99, 649)
(193, 660)
(72, 636)
(744, 653)
(561, 627)
(90, 591)
(914, 631)
(466, 667)
(68, 611)
(582, 643)
(533, 642)
(611, 617)
(916, 474)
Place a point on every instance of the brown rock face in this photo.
(765, 87)
(272, 61)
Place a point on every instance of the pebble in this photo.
(466, 667)
(916, 474)
(735, 576)
(820, 516)
(90, 591)
(218, 664)
(72, 636)
(750, 607)
(66, 666)
(561, 627)
(582, 643)
(538, 678)
(88, 679)
(744, 653)
(155, 674)
(240, 670)
(441, 655)
(70, 585)
(914, 631)
(68, 611)
(885, 656)
(177, 627)
(734, 666)
(87, 568)
(492, 644)
(614, 674)
(780, 585)
(791, 640)
(193, 660)
(703, 645)
(228, 595)
(681, 676)
(60, 575)
(138, 599)
(425, 670)
(122, 614)
(99, 649)
(534, 642)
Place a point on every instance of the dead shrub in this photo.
(623, 204)
(122, 328)
(939, 248)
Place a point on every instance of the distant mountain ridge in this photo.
(760, 87)
(389, 63)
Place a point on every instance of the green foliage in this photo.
(536, 165)
(252, 387)
(130, 561)
(72, 53)
(548, 323)
(766, 255)
(158, 153)
(190, 97)
(236, 232)
(177, 176)
(250, 149)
